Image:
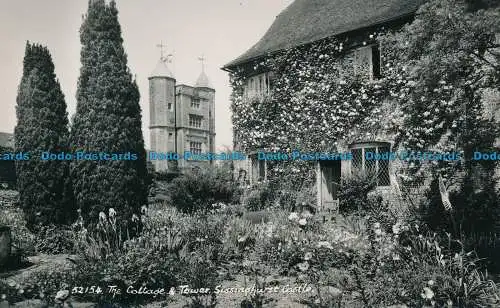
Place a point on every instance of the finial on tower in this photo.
(203, 81)
(161, 45)
(161, 69)
(202, 60)
(167, 58)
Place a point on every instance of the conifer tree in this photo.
(107, 120)
(42, 126)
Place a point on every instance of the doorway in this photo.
(329, 184)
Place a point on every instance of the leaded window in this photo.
(368, 158)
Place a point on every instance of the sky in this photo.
(220, 30)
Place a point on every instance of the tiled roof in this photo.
(306, 21)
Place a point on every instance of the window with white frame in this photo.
(195, 147)
(364, 160)
(258, 85)
(195, 120)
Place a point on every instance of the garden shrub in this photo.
(386, 274)
(261, 195)
(206, 231)
(12, 216)
(306, 198)
(284, 193)
(449, 274)
(197, 191)
(353, 193)
(200, 272)
(487, 246)
(228, 210)
(54, 240)
(474, 216)
(475, 206)
(254, 199)
(239, 237)
(13, 292)
(281, 242)
(166, 176)
(294, 193)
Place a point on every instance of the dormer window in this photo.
(258, 85)
(367, 61)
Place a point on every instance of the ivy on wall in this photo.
(317, 102)
(429, 97)
(314, 101)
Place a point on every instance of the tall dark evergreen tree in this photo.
(42, 126)
(107, 119)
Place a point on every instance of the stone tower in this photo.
(207, 94)
(182, 120)
(162, 116)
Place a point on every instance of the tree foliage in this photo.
(42, 126)
(452, 74)
(450, 61)
(107, 119)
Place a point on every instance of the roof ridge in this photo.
(307, 21)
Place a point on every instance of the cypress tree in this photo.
(107, 120)
(42, 126)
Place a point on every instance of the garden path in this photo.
(40, 262)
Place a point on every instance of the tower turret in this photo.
(203, 81)
(162, 112)
(206, 93)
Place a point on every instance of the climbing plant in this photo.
(429, 97)
(316, 101)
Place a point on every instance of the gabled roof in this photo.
(306, 21)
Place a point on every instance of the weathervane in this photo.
(164, 58)
(202, 60)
